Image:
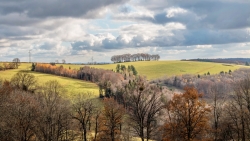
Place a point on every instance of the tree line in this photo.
(7, 66)
(203, 82)
(104, 78)
(86, 73)
(11, 65)
(134, 57)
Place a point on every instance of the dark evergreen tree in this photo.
(33, 67)
(118, 67)
(134, 70)
(123, 67)
(129, 68)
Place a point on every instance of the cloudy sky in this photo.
(76, 30)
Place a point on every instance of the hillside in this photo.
(72, 86)
(156, 69)
(151, 69)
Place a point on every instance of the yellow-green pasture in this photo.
(151, 69)
(72, 86)
(156, 69)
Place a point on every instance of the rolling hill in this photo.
(156, 69)
(72, 86)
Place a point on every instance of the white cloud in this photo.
(173, 11)
(175, 51)
(244, 52)
(203, 46)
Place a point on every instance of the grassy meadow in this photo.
(151, 69)
(156, 69)
(72, 86)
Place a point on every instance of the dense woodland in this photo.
(134, 57)
(132, 107)
(204, 82)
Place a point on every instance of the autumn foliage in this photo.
(188, 117)
(111, 121)
(84, 73)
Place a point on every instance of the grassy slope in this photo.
(156, 69)
(151, 69)
(73, 86)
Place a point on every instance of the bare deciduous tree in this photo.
(134, 57)
(53, 119)
(83, 109)
(24, 81)
(17, 62)
(239, 109)
(144, 106)
(20, 116)
(63, 61)
(217, 93)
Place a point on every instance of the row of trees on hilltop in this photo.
(134, 57)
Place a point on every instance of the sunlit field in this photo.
(150, 69)
(156, 69)
(72, 86)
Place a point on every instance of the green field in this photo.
(156, 69)
(72, 86)
(151, 69)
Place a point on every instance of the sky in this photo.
(76, 30)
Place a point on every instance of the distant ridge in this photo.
(223, 60)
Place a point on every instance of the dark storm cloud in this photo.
(199, 13)
(179, 38)
(15, 32)
(54, 8)
(47, 46)
(194, 37)
(222, 15)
